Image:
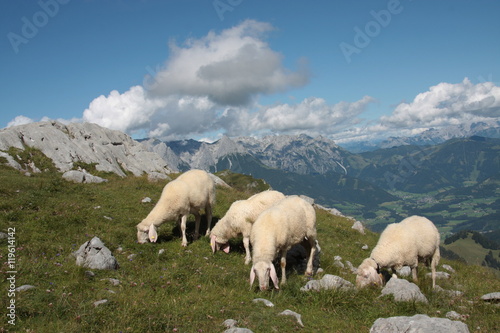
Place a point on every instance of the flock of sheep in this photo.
(272, 223)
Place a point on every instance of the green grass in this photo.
(184, 289)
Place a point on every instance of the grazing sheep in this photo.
(239, 220)
(189, 193)
(290, 221)
(402, 244)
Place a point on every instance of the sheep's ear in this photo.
(153, 235)
(274, 276)
(226, 248)
(252, 276)
(213, 244)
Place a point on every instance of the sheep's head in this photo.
(218, 244)
(145, 233)
(264, 270)
(368, 275)
(142, 234)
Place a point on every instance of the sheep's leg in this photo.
(434, 261)
(414, 272)
(208, 213)
(183, 230)
(197, 218)
(312, 253)
(246, 244)
(283, 267)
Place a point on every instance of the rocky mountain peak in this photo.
(110, 151)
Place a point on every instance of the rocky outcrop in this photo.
(417, 323)
(109, 150)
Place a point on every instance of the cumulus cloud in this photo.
(229, 68)
(447, 104)
(312, 115)
(198, 82)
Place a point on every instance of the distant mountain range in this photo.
(432, 136)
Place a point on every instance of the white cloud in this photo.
(447, 104)
(313, 116)
(230, 68)
(20, 120)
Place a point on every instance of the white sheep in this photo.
(290, 221)
(189, 193)
(402, 244)
(239, 220)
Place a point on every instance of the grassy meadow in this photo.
(184, 289)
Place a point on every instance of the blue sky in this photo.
(200, 69)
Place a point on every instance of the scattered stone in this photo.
(364, 247)
(293, 314)
(24, 288)
(491, 297)
(161, 251)
(308, 199)
(451, 293)
(3, 235)
(229, 323)
(146, 200)
(97, 303)
(265, 301)
(338, 264)
(453, 315)
(439, 275)
(114, 282)
(328, 282)
(82, 176)
(108, 218)
(359, 227)
(157, 176)
(403, 291)
(448, 268)
(95, 255)
(353, 269)
(218, 181)
(132, 256)
(404, 271)
(89, 274)
(417, 323)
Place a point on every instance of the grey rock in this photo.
(218, 181)
(417, 324)
(3, 235)
(265, 301)
(364, 247)
(448, 268)
(146, 200)
(359, 227)
(439, 275)
(491, 297)
(114, 282)
(95, 255)
(89, 274)
(82, 176)
(110, 150)
(157, 177)
(293, 314)
(404, 271)
(403, 291)
(97, 303)
(328, 282)
(24, 288)
(451, 293)
(229, 323)
(453, 315)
